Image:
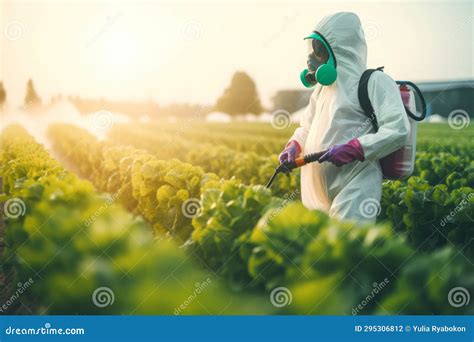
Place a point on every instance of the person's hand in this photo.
(344, 154)
(291, 151)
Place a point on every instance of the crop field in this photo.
(174, 218)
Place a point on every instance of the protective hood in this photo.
(343, 31)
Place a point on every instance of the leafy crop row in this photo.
(432, 216)
(256, 240)
(250, 167)
(408, 205)
(157, 189)
(77, 248)
(330, 267)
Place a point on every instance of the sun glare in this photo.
(120, 51)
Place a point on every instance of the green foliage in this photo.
(249, 167)
(257, 241)
(428, 282)
(432, 216)
(71, 242)
(229, 212)
(280, 239)
(300, 247)
(157, 189)
(445, 168)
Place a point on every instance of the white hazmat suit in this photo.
(334, 116)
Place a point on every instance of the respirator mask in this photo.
(318, 71)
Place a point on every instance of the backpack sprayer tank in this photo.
(400, 163)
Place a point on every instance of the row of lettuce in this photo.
(436, 162)
(250, 167)
(435, 207)
(257, 241)
(267, 139)
(454, 170)
(69, 250)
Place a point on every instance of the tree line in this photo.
(31, 97)
(240, 97)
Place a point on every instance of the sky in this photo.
(187, 51)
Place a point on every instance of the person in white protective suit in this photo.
(348, 178)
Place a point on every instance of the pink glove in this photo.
(344, 154)
(291, 151)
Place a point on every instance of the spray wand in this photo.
(287, 167)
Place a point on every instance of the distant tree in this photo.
(3, 95)
(240, 97)
(31, 97)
